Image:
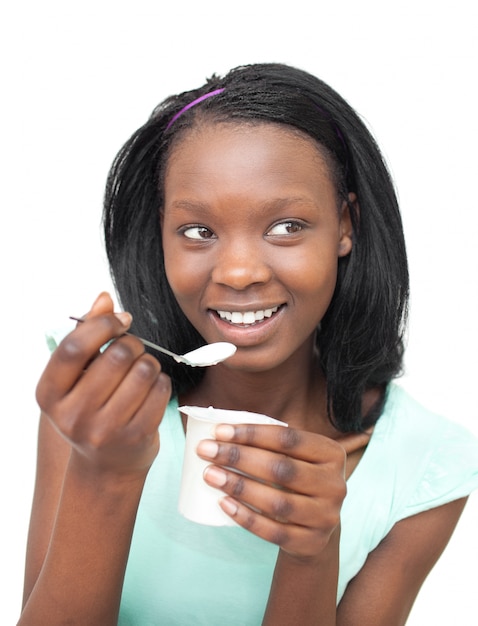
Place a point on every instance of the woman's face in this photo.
(252, 232)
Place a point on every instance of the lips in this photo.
(247, 318)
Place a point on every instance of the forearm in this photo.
(82, 575)
(305, 591)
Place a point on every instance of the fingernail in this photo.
(207, 448)
(215, 476)
(100, 297)
(125, 318)
(224, 431)
(229, 506)
(97, 299)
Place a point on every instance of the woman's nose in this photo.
(240, 265)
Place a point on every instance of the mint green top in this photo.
(183, 573)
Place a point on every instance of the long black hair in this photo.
(360, 338)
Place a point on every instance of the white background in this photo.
(77, 79)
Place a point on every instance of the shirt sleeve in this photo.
(451, 472)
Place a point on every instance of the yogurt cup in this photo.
(198, 501)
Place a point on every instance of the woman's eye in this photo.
(285, 228)
(197, 232)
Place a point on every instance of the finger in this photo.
(149, 415)
(134, 390)
(108, 371)
(131, 417)
(67, 363)
(80, 410)
(142, 431)
(278, 469)
(289, 441)
(104, 305)
(278, 504)
(101, 306)
(294, 539)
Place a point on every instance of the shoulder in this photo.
(433, 460)
(408, 430)
(415, 461)
(412, 480)
(403, 416)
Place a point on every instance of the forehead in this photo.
(246, 148)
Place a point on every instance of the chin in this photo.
(247, 361)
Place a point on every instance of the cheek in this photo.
(314, 273)
(185, 275)
(321, 287)
(314, 289)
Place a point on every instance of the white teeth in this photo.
(224, 315)
(237, 318)
(247, 318)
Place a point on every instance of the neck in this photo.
(294, 393)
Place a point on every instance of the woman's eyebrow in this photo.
(188, 205)
(280, 203)
(262, 207)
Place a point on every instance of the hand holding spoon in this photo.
(210, 354)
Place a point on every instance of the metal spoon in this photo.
(210, 354)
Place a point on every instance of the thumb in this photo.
(102, 305)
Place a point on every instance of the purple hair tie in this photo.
(193, 103)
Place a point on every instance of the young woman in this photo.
(256, 210)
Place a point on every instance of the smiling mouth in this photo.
(248, 318)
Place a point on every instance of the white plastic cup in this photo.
(198, 501)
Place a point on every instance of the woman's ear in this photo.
(346, 229)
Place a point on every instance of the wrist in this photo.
(328, 553)
(104, 478)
